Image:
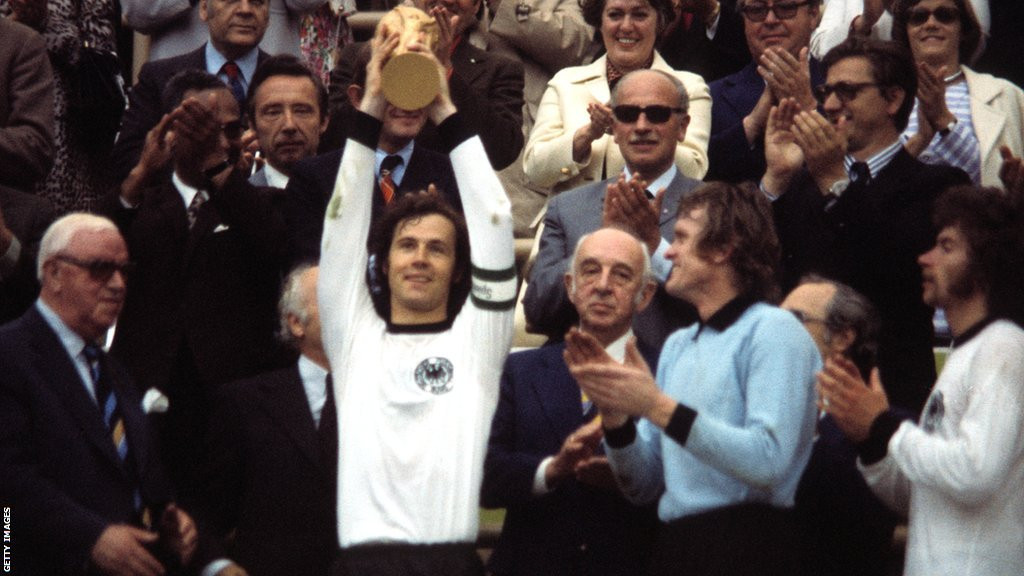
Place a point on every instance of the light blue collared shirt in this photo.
(314, 382)
(246, 64)
(399, 172)
(73, 345)
(660, 265)
(879, 161)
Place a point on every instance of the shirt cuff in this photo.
(540, 483)
(216, 566)
(680, 424)
(622, 436)
(771, 197)
(877, 444)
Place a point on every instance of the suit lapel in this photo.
(743, 91)
(557, 393)
(284, 400)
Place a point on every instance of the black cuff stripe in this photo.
(877, 444)
(452, 132)
(364, 129)
(493, 275)
(488, 305)
(622, 436)
(680, 424)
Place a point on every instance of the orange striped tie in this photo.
(387, 183)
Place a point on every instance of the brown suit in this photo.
(26, 106)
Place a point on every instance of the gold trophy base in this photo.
(410, 81)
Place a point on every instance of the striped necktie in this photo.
(234, 74)
(387, 183)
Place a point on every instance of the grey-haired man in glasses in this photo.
(860, 210)
(650, 109)
(209, 248)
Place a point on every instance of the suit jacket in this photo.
(690, 48)
(577, 212)
(576, 528)
(59, 472)
(27, 216)
(26, 106)
(870, 239)
(267, 480)
(486, 88)
(563, 110)
(997, 116)
(312, 182)
(146, 105)
(730, 157)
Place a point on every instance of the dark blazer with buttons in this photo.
(576, 528)
(486, 88)
(266, 479)
(146, 105)
(870, 239)
(312, 182)
(572, 214)
(59, 472)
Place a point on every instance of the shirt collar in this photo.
(72, 342)
(971, 332)
(246, 63)
(405, 153)
(660, 182)
(727, 315)
(186, 192)
(879, 161)
(617, 349)
(275, 178)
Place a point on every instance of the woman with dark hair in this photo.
(570, 142)
(961, 117)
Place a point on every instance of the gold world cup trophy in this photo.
(409, 80)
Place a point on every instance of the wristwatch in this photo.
(949, 128)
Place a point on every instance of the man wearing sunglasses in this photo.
(650, 119)
(209, 249)
(860, 210)
(777, 34)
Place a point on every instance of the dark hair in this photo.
(850, 310)
(739, 218)
(285, 65)
(891, 65)
(992, 221)
(359, 63)
(413, 206)
(593, 9)
(970, 29)
(186, 80)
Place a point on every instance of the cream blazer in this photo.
(997, 113)
(563, 110)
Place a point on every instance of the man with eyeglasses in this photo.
(777, 34)
(650, 119)
(82, 484)
(860, 210)
(847, 531)
(210, 249)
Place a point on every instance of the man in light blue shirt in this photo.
(721, 437)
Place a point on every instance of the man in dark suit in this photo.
(648, 148)
(209, 249)
(706, 38)
(777, 39)
(272, 452)
(485, 87)
(80, 476)
(565, 515)
(232, 54)
(312, 181)
(23, 220)
(860, 212)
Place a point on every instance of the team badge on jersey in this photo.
(434, 375)
(934, 412)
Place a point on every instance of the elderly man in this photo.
(848, 530)
(777, 34)
(958, 474)
(231, 53)
(725, 430)
(544, 462)
(650, 119)
(859, 211)
(273, 443)
(80, 475)
(288, 113)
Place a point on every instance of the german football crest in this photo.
(434, 375)
(934, 411)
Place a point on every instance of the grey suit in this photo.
(577, 212)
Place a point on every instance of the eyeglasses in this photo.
(783, 10)
(655, 114)
(944, 15)
(99, 270)
(806, 318)
(845, 91)
(233, 130)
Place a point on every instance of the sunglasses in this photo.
(806, 318)
(99, 270)
(628, 113)
(845, 91)
(783, 10)
(943, 14)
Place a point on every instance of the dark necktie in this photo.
(327, 434)
(234, 74)
(387, 183)
(860, 173)
(193, 208)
